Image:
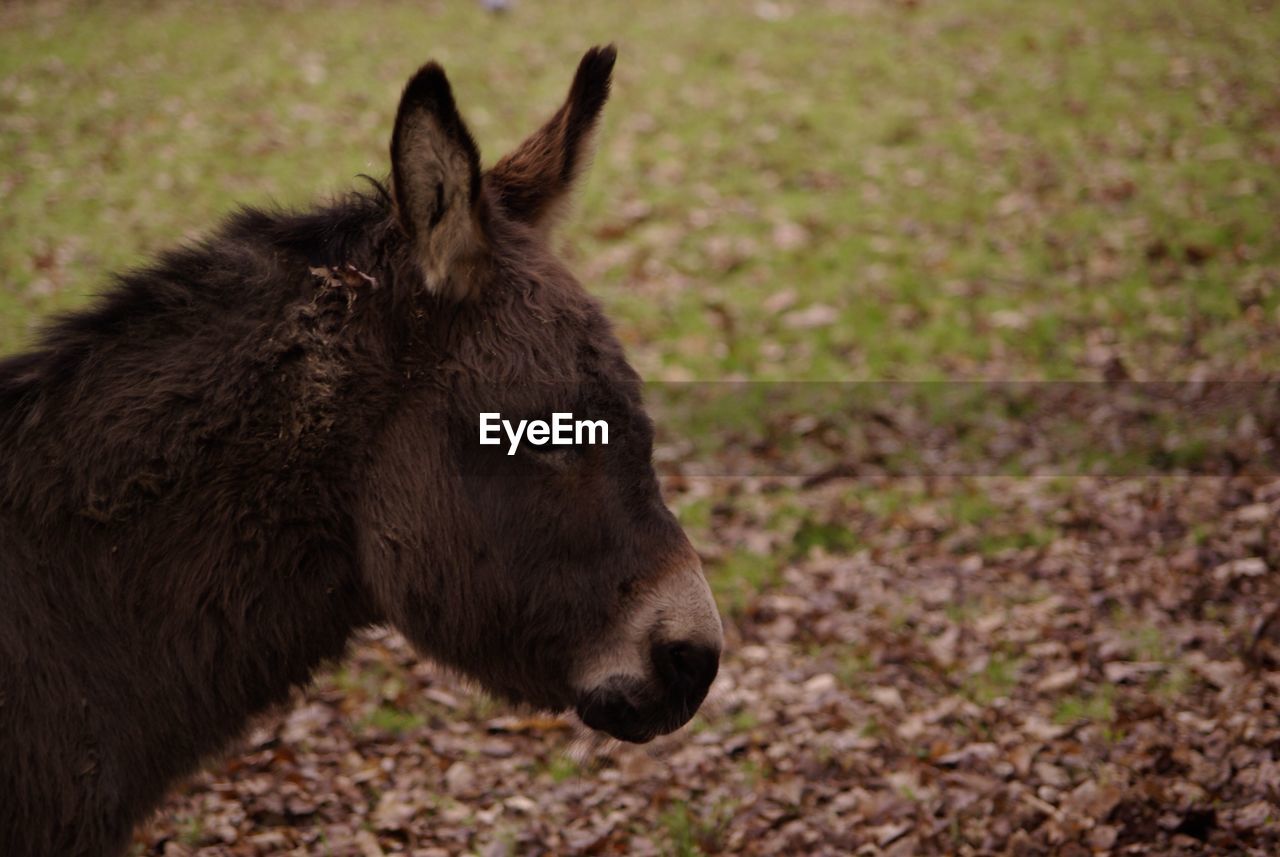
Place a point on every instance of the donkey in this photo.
(261, 443)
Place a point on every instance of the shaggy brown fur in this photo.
(250, 449)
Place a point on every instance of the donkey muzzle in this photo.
(652, 676)
(640, 709)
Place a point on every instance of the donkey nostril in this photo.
(691, 667)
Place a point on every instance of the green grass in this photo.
(690, 834)
(191, 831)
(995, 544)
(739, 576)
(744, 721)
(830, 536)
(387, 718)
(1094, 707)
(984, 189)
(560, 768)
(994, 681)
(852, 666)
(680, 829)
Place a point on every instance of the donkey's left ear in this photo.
(533, 183)
(435, 177)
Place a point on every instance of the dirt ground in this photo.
(1111, 691)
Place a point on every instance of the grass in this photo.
(994, 681)
(988, 189)
(560, 768)
(852, 666)
(680, 828)
(996, 544)
(740, 576)
(192, 832)
(387, 718)
(1094, 707)
(690, 834)
(830, 536)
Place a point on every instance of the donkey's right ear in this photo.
(534, 181)
(435, 179)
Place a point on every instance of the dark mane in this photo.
(238, 271)
(173, 352)
(217, 273)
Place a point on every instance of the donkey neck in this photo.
(177, 548)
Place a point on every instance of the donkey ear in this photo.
(435, 178)
(533, 182)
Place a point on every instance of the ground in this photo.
(919, 659)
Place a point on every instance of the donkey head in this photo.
(554, 576)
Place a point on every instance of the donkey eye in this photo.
(556, 455)
(551, 448)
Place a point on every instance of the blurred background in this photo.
(920, 660)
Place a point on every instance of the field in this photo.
(970, 661)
